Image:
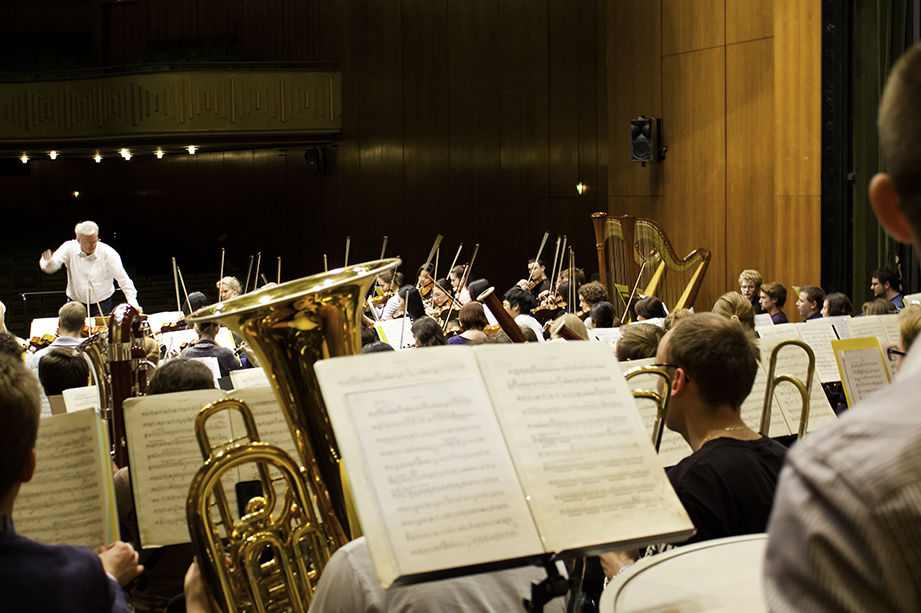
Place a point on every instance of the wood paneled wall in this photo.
(737, 85)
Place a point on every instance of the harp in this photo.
(634, 252)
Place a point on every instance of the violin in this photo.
(40, 342)
(425, 290)
(381, 298)
(173, 327)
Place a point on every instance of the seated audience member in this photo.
(11, 346)
(71, 321)
(727, 484)
(886, 284)
(672, 319)
(845, 531)
(35, 576)
(228, 287)
(473, 321)
(518, 303)
(736, 307)
(837, 304)
(573, 325)
(61, 369)
(349, 584)
(878, 306)
(649, 308)
(603, 315)
(750, 287)
(638, 341)
(773, 297)
(809, 304)
(427, 333)
(376, 347)
(591, 294)
(206, 347)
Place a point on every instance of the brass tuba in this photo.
(262, 560)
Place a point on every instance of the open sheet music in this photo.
(164, 454)
(863, 367)
(463, 460)
(71, 498)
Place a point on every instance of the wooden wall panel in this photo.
(797, 91)
(634, 88)
(694, 213)
(690, 25)
(750, 158)
(797, 238)
(749, 20)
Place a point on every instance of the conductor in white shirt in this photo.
(92, 265)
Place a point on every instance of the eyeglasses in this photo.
(893, 354)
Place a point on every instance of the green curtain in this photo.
(881, 34)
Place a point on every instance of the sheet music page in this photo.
(157, 320)
(164, 456)
(911, 299)
(214, 366)
(44, 325)
(673, 447)
(753, 407)
(79, 398)
(893, 364)
(249, 377)
(46, 405)
(839, 323)
(762, 320)
(70, 499)
(794, 361)
(863, 368)
(783, 331)
(434, 484)
(224, 338)
(173, 341)
(869, 325)
(579, 446)
(819, 336)
(395, 332)
(890, 325)
(611, 335)
(270, 420)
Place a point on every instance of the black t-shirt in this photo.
(727, 486)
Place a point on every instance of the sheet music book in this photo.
(863, 367)
(163, 452)
(71, 498)
(79, 398)
(818, 334)
(468, 460)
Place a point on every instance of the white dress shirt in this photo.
(96, 270)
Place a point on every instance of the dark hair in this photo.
(208, 329)
(428, 332)
(717, 354)
(884, 276)
(429, 267)
(638, 341)
(815, 294)
(839, 304)
(412, 302)
(20, 406)
(63, 368)
(377, 347)
(195, 301)
(368, 336)
(649, 308)
(593, 293)
(540, 262)
(520, 298)
(10, 346)
(180, 375)
(472, 316)
(477, 287)
(603, 315)
(775, 291)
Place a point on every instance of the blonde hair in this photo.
(672, 319)
(909, 325)
(638, 341)
(750, 274)
(572, 322)
(736, 307)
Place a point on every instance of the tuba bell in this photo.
(249, 562)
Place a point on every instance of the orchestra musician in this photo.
(228, 287)
(456, 277)
(71, 322)
(518, 302)
(537, 281)
(91, 267)
(425, 281)
(206, 347)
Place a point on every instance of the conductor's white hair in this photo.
(86, 228)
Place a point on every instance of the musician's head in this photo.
(638, 341)
(427, 332)
(773, 295)
(750, 283)
(440, 294)
(180, 375)
(425, 277)
(811, 299)
(649, 308)
(736, 307)
(591, 293)
(411, 302)
(228, 287)
(455, 276)
(603, 315)
(71, 319)
(909, 326)
(472, 316)
(537, 269)
(836, 304)
(518, 302)
(896, 194)
(477, 287)
(195, 301)
(714, 360)
(87, 234)
(61, 369)
(207, 329)
(20, 406)
(10, 346)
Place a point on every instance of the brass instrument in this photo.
(804, 389)
(661, 399)
(288, 327)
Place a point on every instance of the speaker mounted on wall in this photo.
(644, 140)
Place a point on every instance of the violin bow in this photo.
(556, 254)
(256, 276)
(176, 285)
(278, 274)
(539, 251)
(348, 243)
(383, 247)
(220, 277)
(248, 270)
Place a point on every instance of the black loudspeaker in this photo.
(644, 140)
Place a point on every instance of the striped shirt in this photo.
(845, 532)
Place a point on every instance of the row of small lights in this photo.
(124, 152)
